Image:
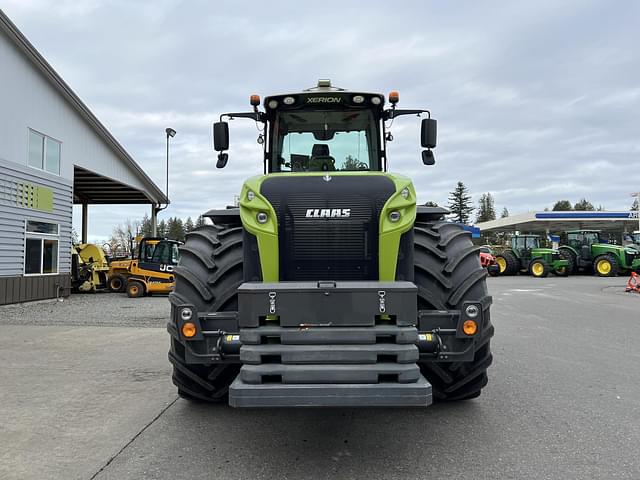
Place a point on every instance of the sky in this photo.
(535, 101)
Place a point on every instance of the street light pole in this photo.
(154, 220)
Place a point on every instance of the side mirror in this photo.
(222, 160)
(428, 158)
(221, 136)
(429, 133)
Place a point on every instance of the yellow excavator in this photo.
(149, 272)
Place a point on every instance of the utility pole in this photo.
(637, 212)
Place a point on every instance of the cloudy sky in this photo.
(536, 101)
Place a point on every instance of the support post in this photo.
(154, 220)
(85, 221)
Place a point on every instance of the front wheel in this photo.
(539, 268)
(117, 283)
(448, 273)
(606, 265)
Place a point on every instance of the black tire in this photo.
(561, 272)
(570, 257)
(135, 289)
(538, 268)
(207, 276)
(511, 261)
(448, 273)
(601, 260)
(117, 283)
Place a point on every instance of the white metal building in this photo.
(53, 153)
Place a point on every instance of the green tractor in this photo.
(584, 250)
(525, 255)
(329, 285)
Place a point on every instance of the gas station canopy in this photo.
(556, 222)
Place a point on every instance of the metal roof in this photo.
(153, 194)
(561, 221)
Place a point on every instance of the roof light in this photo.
(358, 99)
(324, 83)
(376, 100)
(254, 100)
(289, 100)
(273, 103)
(394, 97)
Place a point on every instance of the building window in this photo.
(44, 152)
(41, 248)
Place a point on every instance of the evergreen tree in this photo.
(188, 225)
(146, 228)
(460, 204)
(505, 213)
(200, 222)
(175, 229)
(486, 208)
(162, 228)
(584, 205)
(562, 205)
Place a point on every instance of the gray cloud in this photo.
(536, 101)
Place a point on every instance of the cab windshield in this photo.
(524, 243)
(325, 141)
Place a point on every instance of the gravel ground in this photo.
(99, 309)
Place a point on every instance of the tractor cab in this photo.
(325, 129)
(582, 240)
(524, 244)
(154, 252)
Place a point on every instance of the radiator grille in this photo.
(333, 248)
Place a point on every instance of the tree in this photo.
(162, 228)
(146, 227)
(486, 208)
(175, 229)
(584, 205)
(122, 234)
(188, 225)
(200, 222)
(351, 163)
(431, 204)
(505, 213)
(562, 205)
(460, 204)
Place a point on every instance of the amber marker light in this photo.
(189, 329)
(394, 97)
(254, 100)
(470, 327)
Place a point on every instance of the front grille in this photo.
(333, 248)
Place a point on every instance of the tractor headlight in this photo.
(405, 193)
(289, 100)
(186, 314)
(250, 195)
(262, 217)
(394, 216)
(472, 311)
(358, 99)
(273, 103)
(376, 100)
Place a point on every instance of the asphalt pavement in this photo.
(82, 399)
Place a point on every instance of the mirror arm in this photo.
(257, 116)
(394, 112)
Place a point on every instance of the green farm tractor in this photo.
(526, 256)
(585, 250)
(328, 285)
